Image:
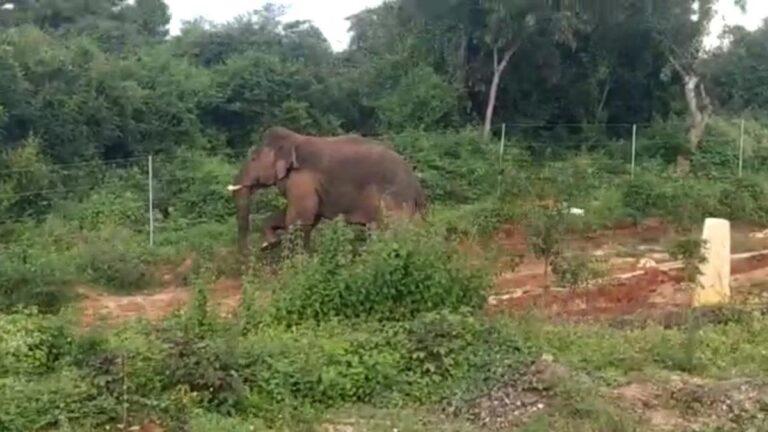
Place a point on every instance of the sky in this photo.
(330, 15)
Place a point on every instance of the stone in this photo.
(713, 286)
(647, 263)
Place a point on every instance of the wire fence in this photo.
(154, 176)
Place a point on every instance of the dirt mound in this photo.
(112, 309)
(691, 404)
(650, 288)
(515, 402)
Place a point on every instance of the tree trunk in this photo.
(603, 99)
(700, 109)
(498, 70)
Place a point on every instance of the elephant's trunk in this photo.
(243, 203)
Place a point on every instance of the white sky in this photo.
(329, 15)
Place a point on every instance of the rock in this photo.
(645, 263)
(759, 234)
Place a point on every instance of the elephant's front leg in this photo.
(275, 222)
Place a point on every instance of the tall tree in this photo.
(680, 27)
(499, 28)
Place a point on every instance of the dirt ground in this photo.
(642, 277)
(642, 280)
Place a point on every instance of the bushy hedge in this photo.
(397, 275)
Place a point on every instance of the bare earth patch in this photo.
(687, 403)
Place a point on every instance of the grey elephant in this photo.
(324, 178)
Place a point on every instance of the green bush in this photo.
(114, 258)
(30, 343)
(210, 422)
(453, 356)
(455, 167)
(421, 100)
(400, 273)
(109, 206)
(474, 220)
(435, 358)
(743, 199)
(644, 196)
(25, 180)
(576, 270)
(310, 369)
(31, 275)
(193, 186)
(60, 400)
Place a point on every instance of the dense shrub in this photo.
(113, 206)
(59, 400)
(400, 273)
(114, 258)
(192, 186)
(30, 343)
(421, 100)
(743, 199)
(33, 275)
(454, 167)
(453, 356)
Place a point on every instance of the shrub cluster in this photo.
(398, 274)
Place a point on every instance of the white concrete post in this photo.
(714, 282)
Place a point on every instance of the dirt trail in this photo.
(627, 249)
(642, 277)
(110, 309)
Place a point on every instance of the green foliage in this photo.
(576, 270)
(208, 422)
(545, 229)
(192, 186)
(442, 360)
(114, 259)
(689, 250)
(25, 180)
(420, 101)
(400, 273)
(32, 275)
(54, 401)
(109, 206)
(454, 167)
(30, 343)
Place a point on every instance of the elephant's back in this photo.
(357, 164)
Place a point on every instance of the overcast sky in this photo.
(329, 15)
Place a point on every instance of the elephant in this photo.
(351, 177)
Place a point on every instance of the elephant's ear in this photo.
(285, 161)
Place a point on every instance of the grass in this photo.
(383, 334)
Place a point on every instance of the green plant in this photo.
(30, 275)
(453, 357)
(30, 343)
(401, 272)
(689, 250)
(65, 397)
(114, 259)
(545, 229)
(577, 270)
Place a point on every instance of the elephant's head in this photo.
(264, 168)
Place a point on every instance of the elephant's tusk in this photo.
(233, 188)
